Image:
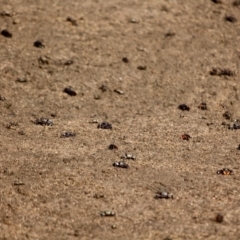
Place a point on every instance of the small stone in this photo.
(219, 218)
(236, 3)
(217, 1)
(68, 62)
(6, 33)
(140, 67)
(21, 80)
(125, 60)
(133, 20)
(231, 19)
(120, 92)
(69, 91)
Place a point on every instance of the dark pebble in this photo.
(141, 67)
(69, 62)
(112, 147)
(6, 33)
(120, 164)
(183, 107)
(219, 218)
(38, 44)
(236, 3)
(225, 171)
(69, 91)
(231, 19)
(125, 60)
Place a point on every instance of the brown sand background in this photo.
(56, 188)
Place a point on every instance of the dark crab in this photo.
(225, 171)
(43, 122)
(67, 134)
(185, 137)
(105, 125)
(184, 107)
(165, 195)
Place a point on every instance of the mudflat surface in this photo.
(131, 64)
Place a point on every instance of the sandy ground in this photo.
(131, 64)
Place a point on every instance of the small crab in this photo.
(164, 195)
(202, 106)
(183, 107)
(128, 156)
(219, 218)
(225, 171)
(185, 137)
(67, 134)
(38, 44)
(227, 115)
(235, 125)
(43, 122)
(105, 125)
(108, 214)
(120, 164)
